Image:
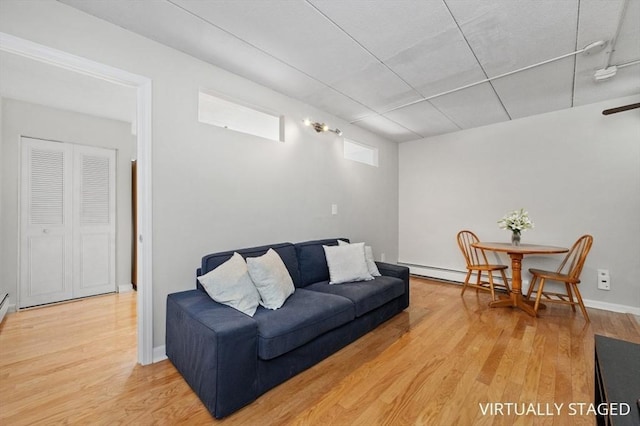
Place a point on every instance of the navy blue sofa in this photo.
(229, 358)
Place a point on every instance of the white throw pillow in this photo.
(231, 285)
(346, 263)
(371, 264)
(271, 278)
(368, 256)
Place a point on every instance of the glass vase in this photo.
(515, 238)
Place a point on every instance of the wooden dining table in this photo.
(516, 253)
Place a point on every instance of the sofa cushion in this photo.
(312, 261)
(286, 251)
(304, 316)
(366, 295)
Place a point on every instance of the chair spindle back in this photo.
(574, 261)
(472, 255)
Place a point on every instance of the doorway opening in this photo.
(142, 127)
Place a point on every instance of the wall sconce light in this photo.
(321, 127)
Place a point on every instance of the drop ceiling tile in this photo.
(424, 119)
(438, 64)
(418, 40)
(510, 34)
(472, 107)
(337, 104)
(384, 27)
(542, 89)
(387, 128)
(376, 87)
(292, 31)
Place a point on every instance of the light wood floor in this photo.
(433, 364)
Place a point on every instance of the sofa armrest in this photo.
(215, 348)
(402, 272)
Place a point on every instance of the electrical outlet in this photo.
(382, 257)
(604, 280)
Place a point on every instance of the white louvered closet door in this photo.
(67, 244)
(46, 270)
(94, 221)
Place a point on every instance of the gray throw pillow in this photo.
(271, 278)
(231, 285)
(346, 263)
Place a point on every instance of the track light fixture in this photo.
(321, 127)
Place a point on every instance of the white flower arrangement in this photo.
(516, 221)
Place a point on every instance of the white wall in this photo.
(575, 171)
(37, 121)
(215, 189)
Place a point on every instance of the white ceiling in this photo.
(386, 65)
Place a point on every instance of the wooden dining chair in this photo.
(568, 273)
(477, 262)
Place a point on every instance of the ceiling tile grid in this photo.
(424, 119)
(404, 69)
(292, 31)
(542, 89)
(506, 35)
(473, 107)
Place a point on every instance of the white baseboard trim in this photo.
(125, 288)
(159, 353)
(457, 277)
(613, 307)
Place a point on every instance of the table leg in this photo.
(515, 299)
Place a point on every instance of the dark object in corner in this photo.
(617, 379)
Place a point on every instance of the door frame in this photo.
(143, 125)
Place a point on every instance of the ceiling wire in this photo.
(489, 79)
(612, 44)
(575, 59)
(428, 98)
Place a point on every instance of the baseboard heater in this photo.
(446, 274)
(436, 272)
(4, 305)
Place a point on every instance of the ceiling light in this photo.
(321, 127)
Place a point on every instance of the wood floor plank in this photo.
(438, 363)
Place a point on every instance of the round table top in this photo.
(522, 248)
